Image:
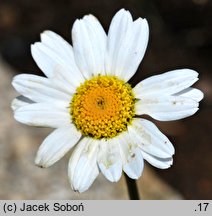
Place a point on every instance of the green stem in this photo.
(132, 188)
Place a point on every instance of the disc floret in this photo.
(102, 107)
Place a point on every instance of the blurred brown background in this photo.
(180, 37)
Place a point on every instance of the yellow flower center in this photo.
(102, 107)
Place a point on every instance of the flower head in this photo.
(86, 98)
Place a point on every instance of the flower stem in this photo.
(132, 188)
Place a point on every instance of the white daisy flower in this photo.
(86, 98)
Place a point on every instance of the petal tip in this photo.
(39, 163)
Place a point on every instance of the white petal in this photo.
(48, 59)
(192, 93)
(89, 43)
(131, 156)
(38, 89)
(120, 23)
(58, 45)
(135, 166)
(147, 136)
(44, 115)
(56, 145)
(83, 169)
(127, 42)
(61, 82)
(167, 108)
(19, 102)
(162, 163)
(109, 159)
(165, 84)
